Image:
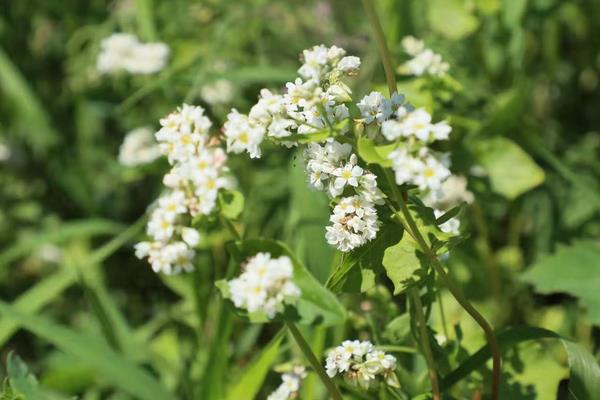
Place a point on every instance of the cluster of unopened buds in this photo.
(193, 183)
(424, 61)
(124, 52)
(265, 286)
(290, 384)
(361, 364)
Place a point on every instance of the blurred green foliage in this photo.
(523, 101)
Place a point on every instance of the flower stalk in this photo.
(412, 226)
(424, 338)
(310, 356)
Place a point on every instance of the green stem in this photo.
(230, 227)
(459, 296)
(308, 353)
(424, 338)
(382, 47)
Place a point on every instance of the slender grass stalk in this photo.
(424, 338)
(396, 349)
(413, 229)
(384, 52)
(308, 353)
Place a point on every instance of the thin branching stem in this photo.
(308, 353)
(424, 338)
(412, 226)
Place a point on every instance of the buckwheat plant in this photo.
(393, 202)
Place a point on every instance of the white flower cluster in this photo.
(138, 147)
(412, 129)
(290, 385)
(265, 285)
(312, 102)
(360, 364)
(423, 61)
(353, 223)
(332, 167)
(197, 174)
(123, 51)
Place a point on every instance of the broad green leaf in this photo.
(401, 263)
(21, 380)
(232, 203)
(511, 170)
(451, 18)
(248, 385)
(584, 370)
(573, 269)
(316, 303)
(534, 367)
(347, 277)
(584, 382)
(111, 366)
(373, 154)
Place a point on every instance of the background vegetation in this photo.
(92, 321)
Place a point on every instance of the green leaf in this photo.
(401, 263)
(506, 339)
(21, 380)
(249, 383)
(511, 170)
(573, 269)
(316, 303)
(584, 382)
(111, 366)
(232, 203)
(451, 18)
(38, 132)
(58, 234)
(372, 154)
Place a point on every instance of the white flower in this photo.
(217, 92)
(430, 173)
(160, 226)
(375, 107)
(349, 64)
(360, 364)
(347, 175)
(424, 60)
(452, 192)
(139, 147)
(418, 124)
(242, 135)
(122, 51)
(290, 385)
(190, 236)
(266, 285)
(412, 46)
